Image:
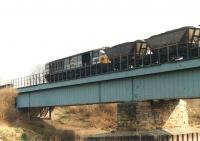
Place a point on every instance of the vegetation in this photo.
(68, 123)
(24, 137)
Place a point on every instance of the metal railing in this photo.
(120, 63)
(31, 80)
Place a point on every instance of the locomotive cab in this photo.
(100, 57)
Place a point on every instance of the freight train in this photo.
(174, 45)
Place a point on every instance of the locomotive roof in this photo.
(76, 54)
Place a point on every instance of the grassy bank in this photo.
(68, 123)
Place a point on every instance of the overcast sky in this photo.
(34, 32)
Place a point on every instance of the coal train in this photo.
(174, 45)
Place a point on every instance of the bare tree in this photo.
(37, 76)
(39, 68)
(1, 81)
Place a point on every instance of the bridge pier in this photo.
(151, 115)
(164, 120)
(39, 112)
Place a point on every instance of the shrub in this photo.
(24, 137)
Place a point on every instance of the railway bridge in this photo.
(178, 80)
(149, 80)
(149, 97)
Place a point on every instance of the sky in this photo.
(34, 32)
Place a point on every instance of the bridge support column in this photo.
(151, 115)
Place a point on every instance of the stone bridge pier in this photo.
(151, 115)
(162, 120)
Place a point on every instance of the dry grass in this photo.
(92, 116)
(9, 116)
(68, 122)
(7, 104)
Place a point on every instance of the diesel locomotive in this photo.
(174, 45)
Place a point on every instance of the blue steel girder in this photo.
(166, 81)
